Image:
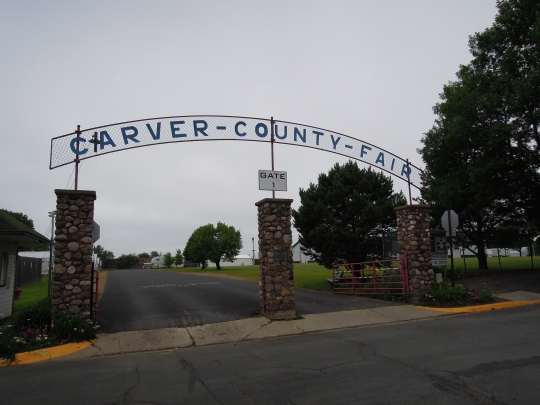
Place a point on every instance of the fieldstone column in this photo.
(413, 238)
(73, 248)
(276, 260)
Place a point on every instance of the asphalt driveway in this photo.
(150, 299)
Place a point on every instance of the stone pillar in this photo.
(276, 260)
(413, 238)
(73, 246)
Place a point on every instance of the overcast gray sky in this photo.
(369, 69)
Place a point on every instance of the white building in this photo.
(240, 260)
(298, 255)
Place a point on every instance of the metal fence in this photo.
(377, 277)
(28, 270)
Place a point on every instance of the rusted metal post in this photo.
(374, 277)
(409, 181)
(77, 160)
(272, 147)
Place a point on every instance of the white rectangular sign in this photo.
(438, 259)
(272, 180)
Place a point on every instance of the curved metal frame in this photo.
(65, 149)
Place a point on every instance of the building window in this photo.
(3, 268)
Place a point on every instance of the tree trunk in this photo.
(218, 267)
(482, 257)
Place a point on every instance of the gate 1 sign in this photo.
(273, 181)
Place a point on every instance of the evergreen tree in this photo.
(341, 218)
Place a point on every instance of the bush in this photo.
(29, 330)
(70, 328)
(454, 296)
(37, 315)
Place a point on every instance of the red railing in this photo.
(388, 277)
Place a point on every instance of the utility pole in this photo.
(253, 241)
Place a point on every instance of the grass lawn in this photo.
(508, 264)
(32, 293)
(311, 275)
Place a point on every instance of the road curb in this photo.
(483, 308)
(47, 353)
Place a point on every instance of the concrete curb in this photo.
(48, 353)
(483, 308)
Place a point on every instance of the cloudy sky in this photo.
(369, 69)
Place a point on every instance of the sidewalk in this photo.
(248, 329)
(258, 328)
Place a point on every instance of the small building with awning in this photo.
(13, 234)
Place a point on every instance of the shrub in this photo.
(29, 330)
(71, 328)
(458, 295)
(37, 316)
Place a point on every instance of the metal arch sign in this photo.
(92, 142)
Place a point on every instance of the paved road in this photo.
(149, 299)
(489, 358)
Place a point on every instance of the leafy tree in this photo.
(19, 216)
(144, 255)
(128, 261)
(482, 154)
(153, 254)
(342, 217)
(215, 244)
(178, 258)
(102, 253)
(168, 260)
(508, 53)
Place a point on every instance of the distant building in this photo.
(240, 260)
(299, 256)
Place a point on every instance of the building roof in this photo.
(15, 231)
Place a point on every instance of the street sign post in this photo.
(272, 180)
(450, 221)
(95, 231)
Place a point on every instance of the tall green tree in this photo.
(341, 218)
(213, 243)
(168, 260)
(178, 258)
(102, 253)
(482, 153)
